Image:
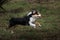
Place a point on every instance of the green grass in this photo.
(50, 21)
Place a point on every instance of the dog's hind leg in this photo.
(10, 26)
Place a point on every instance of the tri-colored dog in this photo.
(29, 19)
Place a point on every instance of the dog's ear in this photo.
(29, 13)
(35, 12)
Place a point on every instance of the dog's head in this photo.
(35, 14)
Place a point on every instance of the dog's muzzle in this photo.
(39, 16)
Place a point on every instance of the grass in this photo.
(50, 21)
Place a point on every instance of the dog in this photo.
(29, 19)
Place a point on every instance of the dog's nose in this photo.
(39, 15)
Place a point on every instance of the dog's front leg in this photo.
(38, 24)
(32, 24)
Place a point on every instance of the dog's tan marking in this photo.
(37, 24)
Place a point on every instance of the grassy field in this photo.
(50, 21)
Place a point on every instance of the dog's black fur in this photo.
(17, 21)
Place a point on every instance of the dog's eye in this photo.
(37, 14)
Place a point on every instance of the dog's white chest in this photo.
(32, 19)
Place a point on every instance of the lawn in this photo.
(50, 21)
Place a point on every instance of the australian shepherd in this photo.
(29, 19)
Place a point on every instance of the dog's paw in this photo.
(40, 25)
(12, 32)
(34, 27)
